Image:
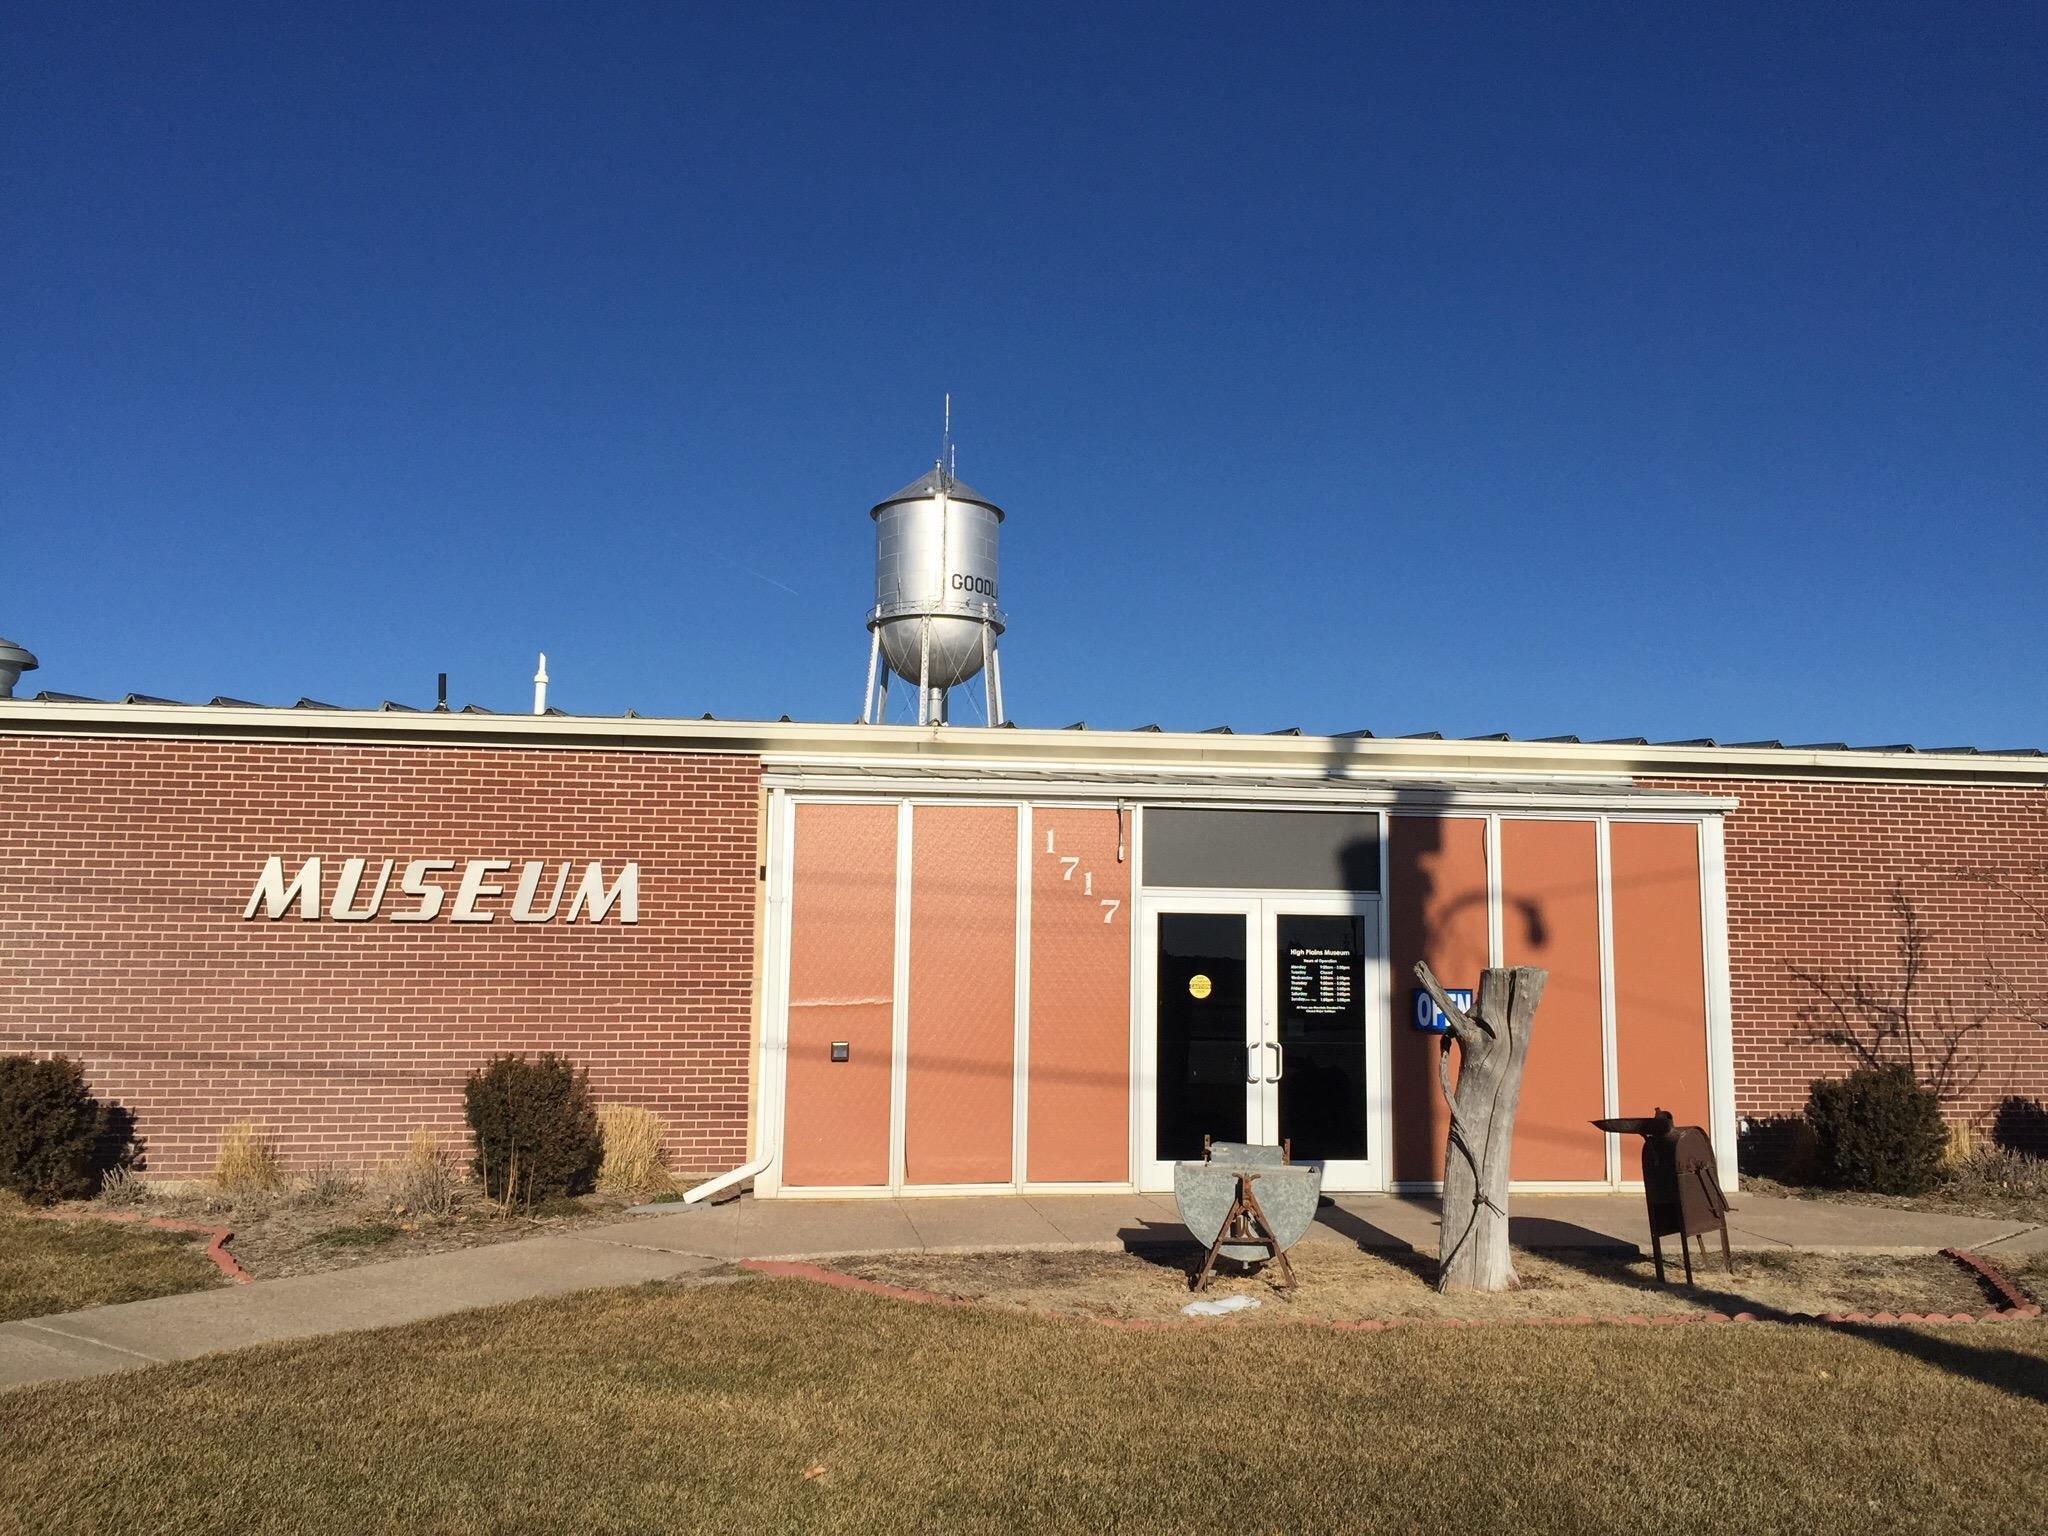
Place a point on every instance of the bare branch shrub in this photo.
(1905, 1019)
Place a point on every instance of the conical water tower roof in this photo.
(929, 484)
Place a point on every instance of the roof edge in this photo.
(813, 742)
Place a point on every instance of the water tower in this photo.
(14, 661)
(935, 619)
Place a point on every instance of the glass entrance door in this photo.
(1319, 1038)
(1205, 1058)
(1263, 1026)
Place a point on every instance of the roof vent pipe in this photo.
(13, 662)
(540, 686)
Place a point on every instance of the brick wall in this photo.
(1811, 870)
(125, 867)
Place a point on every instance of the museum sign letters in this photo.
(478, 896)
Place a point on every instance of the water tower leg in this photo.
(867, 699)
(924, 671)
(988, 678)
(995, 682)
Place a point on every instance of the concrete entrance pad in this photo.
(783, 1229)
(793, 1229)
(944, 1226)
(1118, 1222)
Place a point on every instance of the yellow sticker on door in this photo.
(1199, 987)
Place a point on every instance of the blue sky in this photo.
(1629, 369)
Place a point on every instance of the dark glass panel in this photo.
(1262, 850)
(1322, 1034)
(1201, 1025)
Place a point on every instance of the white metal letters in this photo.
(477, 893)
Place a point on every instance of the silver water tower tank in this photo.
(936, 618)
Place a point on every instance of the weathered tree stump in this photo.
(1493, 1045)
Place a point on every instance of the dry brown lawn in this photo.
(300, 1230)
(783, 1406)
(1337, 1281)
(61, 1266)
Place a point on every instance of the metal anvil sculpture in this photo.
(1681, 1185)
(1224, 1213)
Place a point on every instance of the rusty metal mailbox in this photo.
(1681, 1185)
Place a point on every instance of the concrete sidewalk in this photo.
(805, 1229)
(664, 1245)
(138, 1333)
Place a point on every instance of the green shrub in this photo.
(535, 1128)
(1877, 1129)
(56, 1140)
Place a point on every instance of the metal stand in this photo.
(1246, 1225)
(1685, 1233)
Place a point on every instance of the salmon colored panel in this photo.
(1550, 916)
(1436, 911)
(1079, 1126)
(960, 1063)
(1660, 985)
(842, 966)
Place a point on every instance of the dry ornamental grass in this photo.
(425, 1180)
(633, 1159)
(246, 1162)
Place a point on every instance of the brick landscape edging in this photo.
(2014, 1298)
(2017, 1307)
(216, 1247)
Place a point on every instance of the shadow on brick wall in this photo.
(1775, 1147)
(2021, 1125)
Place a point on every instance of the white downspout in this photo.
(725, 1181)
(763, 1158)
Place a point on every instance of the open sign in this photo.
(1430, 1019)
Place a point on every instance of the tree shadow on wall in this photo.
(1423, 920)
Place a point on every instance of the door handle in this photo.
(1279, 1061)
(1251, 1064)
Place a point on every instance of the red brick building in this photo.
(938, 959)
